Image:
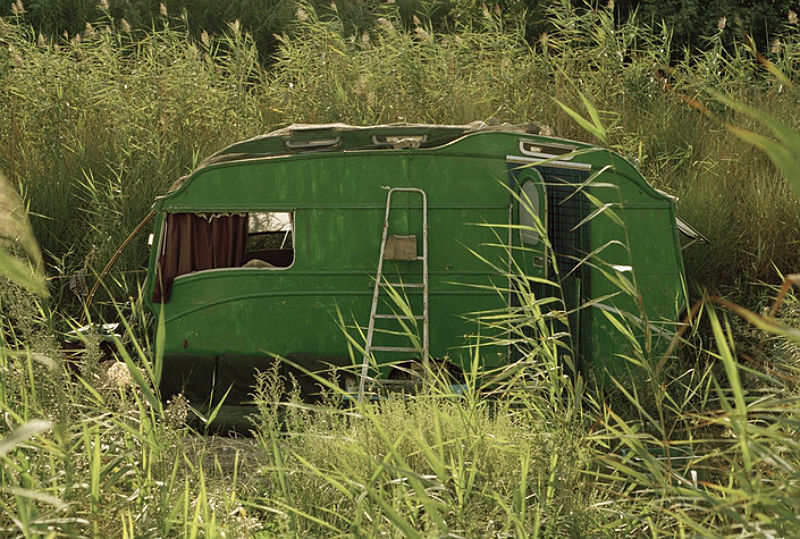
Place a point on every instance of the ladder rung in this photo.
(395, 349)
(399, 316)
(403, 285)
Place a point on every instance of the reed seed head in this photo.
(17, 8)
(386, 24)
(15, 56)
(177, 411)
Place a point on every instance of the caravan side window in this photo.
(193, 242)
(529, 231)
(270, 240)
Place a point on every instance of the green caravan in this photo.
(406, 237)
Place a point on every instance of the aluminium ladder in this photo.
(380, 283)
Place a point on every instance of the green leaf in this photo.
(781, 155)
(786, 135)
(16, 233)
(22, 273)
(22, 434)
(139, 377)
(784, 152)
(593, 114)
(598, 132)
(158, 360)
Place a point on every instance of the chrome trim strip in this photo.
(544, 161)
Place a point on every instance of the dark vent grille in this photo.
(565, 213)
(566, 208)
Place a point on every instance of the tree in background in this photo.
(264, 19)
(691, 19)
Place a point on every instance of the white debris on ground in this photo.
(117, 374)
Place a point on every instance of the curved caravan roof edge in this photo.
(341, 136)
(305, 139)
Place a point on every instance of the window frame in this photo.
(292, 220)
(528, 226)
(293, 227)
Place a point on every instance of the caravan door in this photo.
(529, 215)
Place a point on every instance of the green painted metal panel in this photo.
(337, 196)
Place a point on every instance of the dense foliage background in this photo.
(689, 21)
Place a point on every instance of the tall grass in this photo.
(706, 445)
(90, 452)
(95, 128)
(708, 450)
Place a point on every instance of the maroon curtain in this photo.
(198, 242)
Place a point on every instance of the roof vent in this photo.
(313, 144)
(399, 142)
(547, 150)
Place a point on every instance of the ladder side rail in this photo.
(425, 304)
(374, 307)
